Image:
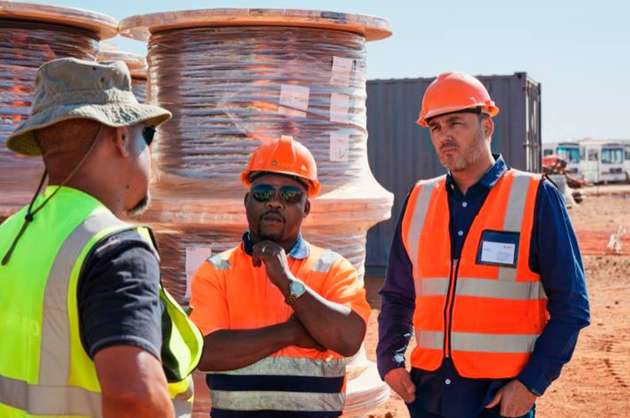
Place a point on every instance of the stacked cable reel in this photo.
(30, 35)
(234, 78)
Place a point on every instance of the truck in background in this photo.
(602, 162)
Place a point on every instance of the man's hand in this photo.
(516, 400)
(400, 381)
(302, 338)
(275, 260)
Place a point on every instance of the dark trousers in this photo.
(415, 412)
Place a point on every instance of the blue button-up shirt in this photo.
(554, 255)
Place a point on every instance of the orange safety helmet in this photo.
(452, 92)
(283, 156)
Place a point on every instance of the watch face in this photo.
(296, 288)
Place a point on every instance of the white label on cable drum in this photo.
(293, 100)
(339, 147)
(341, 73)
(339, 107)
(195, 256)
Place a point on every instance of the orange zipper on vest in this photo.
(448, 307)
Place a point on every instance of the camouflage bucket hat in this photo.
(68, 88)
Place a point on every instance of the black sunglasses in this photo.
(148, 133)
(266, 192)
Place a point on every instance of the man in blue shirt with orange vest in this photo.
(484, 269)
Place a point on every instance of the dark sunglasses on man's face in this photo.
(148, 133)
(266, 192)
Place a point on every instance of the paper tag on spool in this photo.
(339, 107)
(293, 100)
(341, 72)
(339, 147)
(195, 256)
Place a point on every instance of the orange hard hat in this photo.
(452, 92)
(283, 156)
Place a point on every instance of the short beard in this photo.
(141, 206)
(467, 158)
(266, 237)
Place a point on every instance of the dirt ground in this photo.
(596, 383)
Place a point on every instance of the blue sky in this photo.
(578, 50)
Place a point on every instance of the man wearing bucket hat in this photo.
(484, 269)
(282, 313)
(87, 329)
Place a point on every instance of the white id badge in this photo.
(498, 248)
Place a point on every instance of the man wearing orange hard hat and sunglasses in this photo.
(279, 314)
(484, 269)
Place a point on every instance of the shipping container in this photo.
(400, 152)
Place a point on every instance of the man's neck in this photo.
(470, 176)
(100, 192)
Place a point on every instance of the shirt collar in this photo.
(490, 178)
(299, 251)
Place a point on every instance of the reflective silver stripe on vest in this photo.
(292, 366)
(485, 288)
(326, 261)
(514, 214)
(478, 342)
(431, 286)
(219, 263)
(281, 400)
(277, 401)
(493, 343)
(418, 217)
(51, 395)
(433, 340)
(183, 409)
(54, 365)
(49, 400)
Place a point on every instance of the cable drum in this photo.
(230, 87)
(234, 78)
(24, 47)
(30, 35)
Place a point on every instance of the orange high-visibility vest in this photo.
(486, 309)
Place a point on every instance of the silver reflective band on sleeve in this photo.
(326, 261)
(219, 263)
(293, 366)
(418, 217)
(514, 215)
(433, 340)
(277, 401)
(493, 343)
(49, 400)
(484, 288)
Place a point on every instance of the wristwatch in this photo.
(296, 289)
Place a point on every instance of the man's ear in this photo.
(488, 127)
(122, 141)
(307, 207)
